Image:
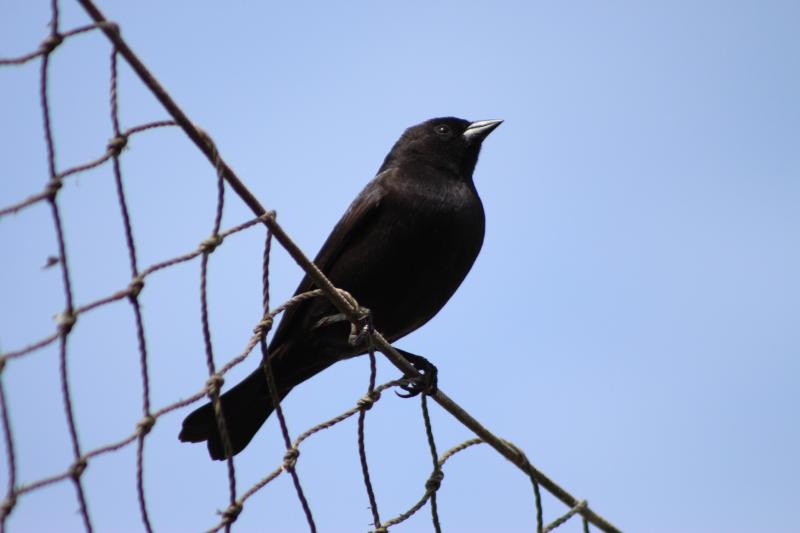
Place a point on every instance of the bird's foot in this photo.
(426, 383)
(365, 328)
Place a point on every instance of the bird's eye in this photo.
(442, 129)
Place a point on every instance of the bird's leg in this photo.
(424, 384)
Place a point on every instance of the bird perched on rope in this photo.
(401, 250)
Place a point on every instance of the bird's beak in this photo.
(478, 130)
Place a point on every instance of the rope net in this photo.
(73, 311)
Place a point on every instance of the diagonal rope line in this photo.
(292, 453)
(537, 496)
(362, 450)
(67, 319)
(563, 519)
(215, 380)
(133, 297)
(437, 471)
(11, 496)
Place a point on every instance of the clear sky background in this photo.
(632, 321)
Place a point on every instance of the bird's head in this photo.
(448, 142)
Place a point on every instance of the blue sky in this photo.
(631, 323)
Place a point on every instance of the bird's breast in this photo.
(430, 240)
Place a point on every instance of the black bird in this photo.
(401, 249)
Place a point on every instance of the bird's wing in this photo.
(356, 221)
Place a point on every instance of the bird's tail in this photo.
(245, 407)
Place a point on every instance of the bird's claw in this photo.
(363, 330)
(425, 383)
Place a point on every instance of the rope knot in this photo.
(135, 287)
(116, 144)
(210, 244)
(290, 459)
(521, 457)
(52, 187)
(271, 215)
(145, 425)
(207, 139)
(230, 514)
(110, 26)
(50, 44)
(77, 468)
(214, 384)
(435, 481)
(263, 326)
(65, 321)
(368, 400)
